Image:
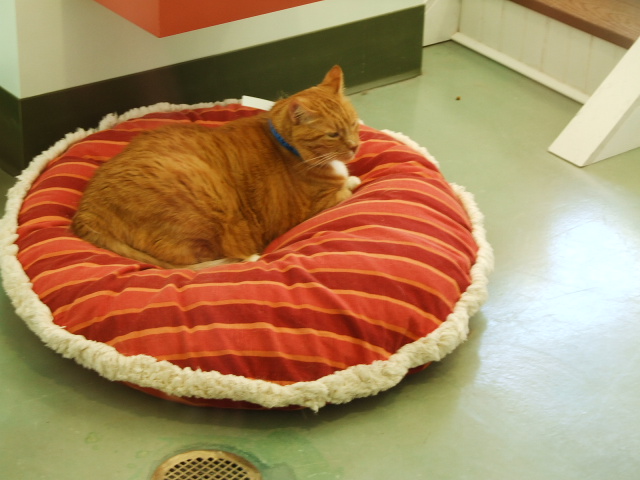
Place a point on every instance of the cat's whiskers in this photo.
(320, 160)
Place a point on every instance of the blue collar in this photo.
(281, 140)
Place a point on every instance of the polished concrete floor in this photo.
(547, 387)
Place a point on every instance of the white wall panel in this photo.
(554, 60)
(578, 49)
(471, 18)
(534, 34)
(512, 38)
(603, 56)
(560, 56)
(492, 22)
(441, 20)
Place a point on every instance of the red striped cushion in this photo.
(341, 306)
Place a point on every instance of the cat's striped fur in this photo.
(187, 195)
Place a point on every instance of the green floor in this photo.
(547, 387)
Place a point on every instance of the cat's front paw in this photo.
(353, 183)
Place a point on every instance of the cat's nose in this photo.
(353, 146)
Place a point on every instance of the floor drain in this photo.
(207, 465)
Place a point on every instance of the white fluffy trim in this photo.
(146, 371)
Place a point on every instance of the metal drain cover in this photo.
(207, 465)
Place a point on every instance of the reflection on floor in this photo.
(547, 387)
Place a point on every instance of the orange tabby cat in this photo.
(186, 195)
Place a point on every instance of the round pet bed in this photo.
(342, 306)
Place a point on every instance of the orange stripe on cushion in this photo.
(104, 268)
(47, 220)
(51, 205)
(302, 306)
(86, 278)
(101, 142)
(57, 253)
(149, 121)
(44, 203)
(441, 247)
(25, 251)
(359, 213)
(440, 217)
(250, 326)
(265, 354)
(43, 191)
(410, 167)
(348, 253)
(62, 173)
(352, 255)
(396, 258)
(433, 192)
(368, 273)
(164, 274)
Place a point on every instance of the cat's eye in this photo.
(333, 134)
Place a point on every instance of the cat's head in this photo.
(324, 126)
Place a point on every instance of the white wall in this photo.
(66, 43)
(441, 19)
(565, 59)
(9, 66)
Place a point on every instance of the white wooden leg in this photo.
(609, 122)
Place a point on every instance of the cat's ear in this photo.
(300, 113)
(334, 80)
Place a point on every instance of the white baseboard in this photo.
(521, 67)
